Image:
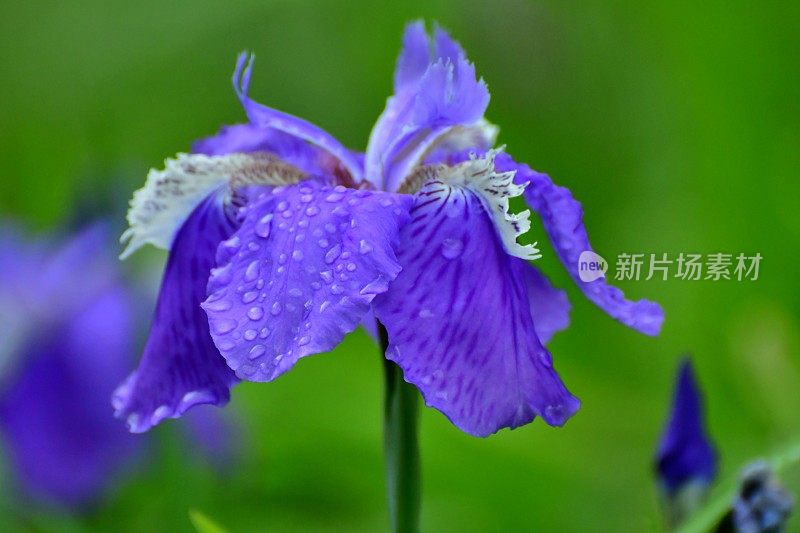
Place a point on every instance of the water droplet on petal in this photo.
(264, 226)
(295, 292)
(282, 206)
(297, 255)
(546, 359)
(330, 228)
(333, 253)
(452, 248)
(255, 313)
(276, 308)
(257, 351)
(224, 325)
(312, 210)
(250, 334)
(425, 313)
(336, 289)
(217, 305)
(340, 211)
(303, 341)
(252, 271)
(249, 297)
(333, 197)
(364, 247)
(326, 275)
(351, 267)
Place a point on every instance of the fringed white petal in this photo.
(168, 197)
(479, 175)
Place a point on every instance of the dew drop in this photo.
(250, 334)
(312, 210)
(334, 197)
(333, 253)
(276, 308)
(252, 271)
(326, 275)
(295, 292)
(249, 297)
(282, 206)
(255, 312)
(452, 248)
(330, 228)
(351, 267)
(385, 201)
(364, 247)
(257, 351)
(225, 325)
(336, 289)
(425, 313)
(306, 198)
(218, 305)
(303, 341)
(297, 255)
(340, 211)
(264, 226)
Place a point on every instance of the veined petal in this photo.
(459, 318)
(549, 306)
(432, 109)
(492, 187)
(248, 138)
(54, 417)
(300, 273)
(562, 218)
(159, 208)
(266, 117)
(181, 367)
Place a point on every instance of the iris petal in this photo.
(181, 367)
(300, 273)
(54, 413)
(266, 117)
(249, 138)
(459, 319)
(562, 217)
(549, 306)
(433, 107)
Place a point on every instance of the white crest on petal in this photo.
(494, 189)
(168, 197)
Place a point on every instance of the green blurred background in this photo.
(677, 125)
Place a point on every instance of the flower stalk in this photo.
(401, 445)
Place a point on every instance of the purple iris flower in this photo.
(282, 241)
(67, 329)
(686, 457)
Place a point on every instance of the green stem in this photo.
(401, 447)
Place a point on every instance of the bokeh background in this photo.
(676, 123)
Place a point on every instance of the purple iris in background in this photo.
(686, 461)
(282, 241)
(67, 330)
